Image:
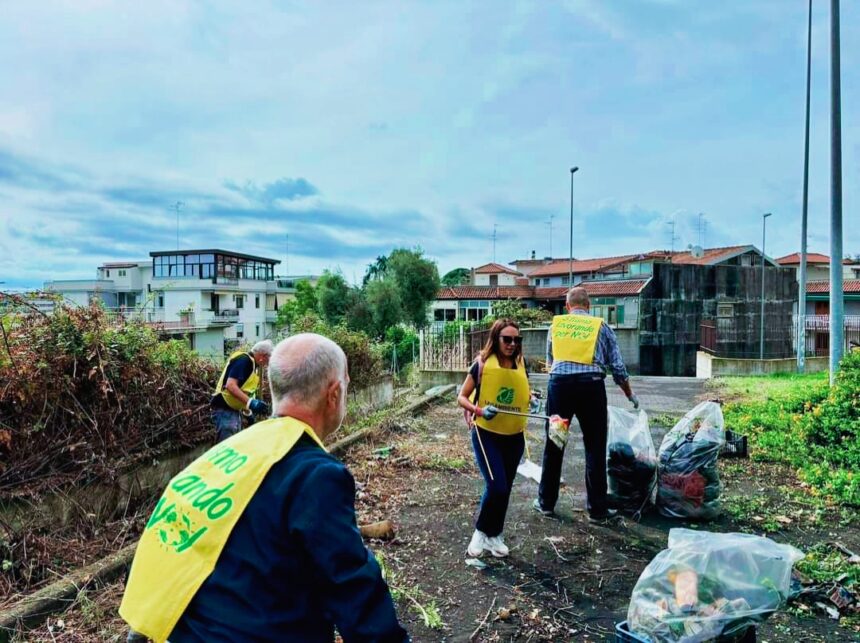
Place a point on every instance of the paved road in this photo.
(658, 395)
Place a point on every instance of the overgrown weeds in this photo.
(802, 422)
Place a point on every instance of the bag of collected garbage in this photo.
(708, 585)
(689, 481)
(631, 460)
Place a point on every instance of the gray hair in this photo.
(577, 297)
(302, 366)
(264, 347)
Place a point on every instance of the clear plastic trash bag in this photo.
(689, 480)
(709, 586)
(631, 460)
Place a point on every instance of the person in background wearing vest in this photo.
(236, 392)
(580, 349)
(499, 382)
(257, 540)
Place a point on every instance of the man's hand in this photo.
(488, 412)
(258, 407)
(634, 401)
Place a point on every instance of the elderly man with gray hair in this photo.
(292, 567)
(236, 392)
(580, 350)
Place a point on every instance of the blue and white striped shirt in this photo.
(607, 357)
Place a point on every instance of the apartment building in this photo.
(217, 299)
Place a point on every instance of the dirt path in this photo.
(565, 580)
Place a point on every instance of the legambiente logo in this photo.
(505, 396)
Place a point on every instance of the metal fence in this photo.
(730, 337)
(455, 345)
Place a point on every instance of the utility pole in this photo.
(672, 225)
(495, 235)
(801, 300)
(701, 234)
(177, 206)
(763, 255)
(549, 223)
(837, 328)
(573, 171)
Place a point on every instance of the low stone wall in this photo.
(708, 366)
(429, 379)
(374, 397)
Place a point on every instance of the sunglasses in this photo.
(512, 340)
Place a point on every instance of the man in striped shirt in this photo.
(578, 365)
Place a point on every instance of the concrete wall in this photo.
(429, 379)
(708, 366)
(209, 344)
(371, 398)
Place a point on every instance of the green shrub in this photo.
(363, 356)
(808, 425)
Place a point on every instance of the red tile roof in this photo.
(608, 288)
(495, 269)
(561, 267)
(710, 255)
(822, 287)
(485, 292)
(811, 257)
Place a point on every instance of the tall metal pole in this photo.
(570, 260)
(837, 328)
(763, 259)
(801, 301)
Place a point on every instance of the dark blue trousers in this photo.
(584, 397)
(503, 454)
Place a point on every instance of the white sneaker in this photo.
(497, 546)
(477, 545)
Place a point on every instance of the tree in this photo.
(417, 281)
(377, 270)
(384, 302)
(332, 297)
(359, 316)
(305, 301)
(456, 277)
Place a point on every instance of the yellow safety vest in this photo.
(250, 385)
(508, 390)
(193, 520)
(574, 338)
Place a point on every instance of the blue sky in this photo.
(354, 127)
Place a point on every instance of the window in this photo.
(107, 273)
(240, 300)
(444, 314)
(122, 273)
(240, 331)
(746, 260)
(546, 281)
(494, 280)
(565, 281)
(725, 310)
(257, 330)
(257, 302)
(161, 300)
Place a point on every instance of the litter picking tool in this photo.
(526, 415)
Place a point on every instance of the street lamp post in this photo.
(801, 299)
(570, 261)
(763, 259)
(837, 304)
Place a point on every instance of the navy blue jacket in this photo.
(295, 566)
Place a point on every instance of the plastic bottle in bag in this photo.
(709, 586)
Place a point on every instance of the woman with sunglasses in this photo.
(497, 382)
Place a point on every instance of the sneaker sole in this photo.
(499, 555)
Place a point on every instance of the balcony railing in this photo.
(226, 315)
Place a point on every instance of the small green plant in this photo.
(825, 564)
